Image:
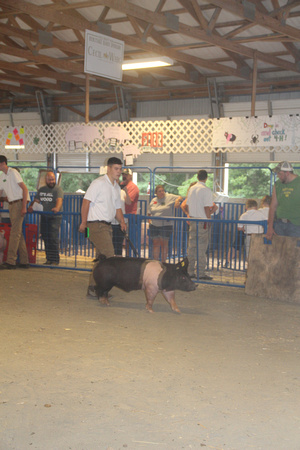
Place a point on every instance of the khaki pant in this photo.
(200, 236)
(16, 238)
(101, 237)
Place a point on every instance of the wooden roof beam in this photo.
(46, 13)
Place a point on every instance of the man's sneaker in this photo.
(91, 292)
(23, 266)
(6, 266)
(47, 263)
(206, 278)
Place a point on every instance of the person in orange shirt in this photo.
(131, 190)
(131, 201)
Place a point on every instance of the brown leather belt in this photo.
(15, 201)
(99, 221)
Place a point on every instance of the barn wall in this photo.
(197, 108)
(25, 118)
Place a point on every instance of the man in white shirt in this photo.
(199, 204)
(17, 194)
(100, 205)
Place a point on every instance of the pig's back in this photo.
(124, 273)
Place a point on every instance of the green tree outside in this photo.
(245, 181)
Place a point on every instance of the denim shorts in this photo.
(162, 232)
(286, 228)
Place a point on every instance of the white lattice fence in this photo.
(178, 136)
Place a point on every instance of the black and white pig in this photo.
(130, 274)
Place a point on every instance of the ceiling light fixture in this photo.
(14, 146)
(147, 63)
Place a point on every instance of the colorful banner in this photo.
(263, 131)
(14, 137)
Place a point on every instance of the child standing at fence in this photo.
(251, 214)
(265, 206)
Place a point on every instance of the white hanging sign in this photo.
(80, 134)
(103, 55)
(263, 131)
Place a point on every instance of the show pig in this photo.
(130, 274)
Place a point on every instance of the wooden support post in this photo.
(87, 98)
(254, 80)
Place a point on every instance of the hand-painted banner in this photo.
(14, 137)
(263, 131)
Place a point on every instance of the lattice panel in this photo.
(178, 136)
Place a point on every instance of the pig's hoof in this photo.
(177, 310)
(104, 301)
(149, 309)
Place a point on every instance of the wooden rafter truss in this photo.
(42, 48)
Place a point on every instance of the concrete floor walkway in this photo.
(76, 375)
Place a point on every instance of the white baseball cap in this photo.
(283, 166)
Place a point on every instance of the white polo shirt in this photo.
(199, 197)
(265, 212)
(251, 215)
(9, 183)
(105, 199)
(123, 196)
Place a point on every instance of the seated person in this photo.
(251, 214)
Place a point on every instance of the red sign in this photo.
(152, 139)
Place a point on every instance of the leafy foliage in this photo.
(72, 182)
(248, 182)
(29, 173)
(245, 180)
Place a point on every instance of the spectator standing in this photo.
(118, 235)
(131, 190)
(160, 230)
(50, 197)
(183, 205)
(131, 202)
(200, 204)
(100, 205)
(16, 195)
(252, 214)
(4, 216)
(284, 214)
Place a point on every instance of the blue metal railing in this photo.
(225, 250)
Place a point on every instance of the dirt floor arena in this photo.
(77, 375)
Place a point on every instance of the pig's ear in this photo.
(180, 265)
(184, 263)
